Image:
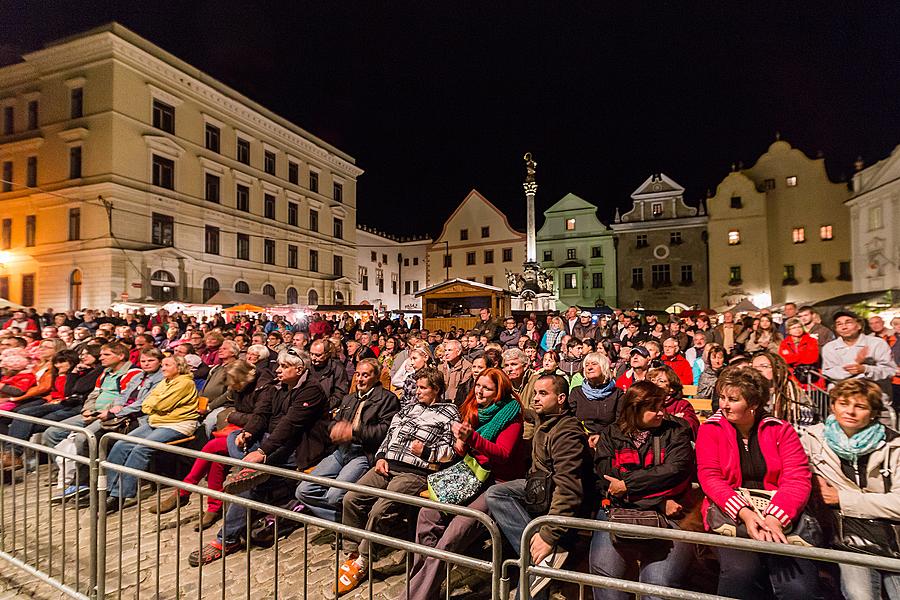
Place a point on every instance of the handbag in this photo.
(636, 516)
(458, 484)
(804, 531)
(879, 537)
(539, 486)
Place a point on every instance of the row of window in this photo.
(661, 275)
(570, 281)
(642, 240)
(31, 170)
(410, 287)
(789, 275)
(27, 298)
(464, 233)
(164, 119)
(211, 287)
(32, 109)
(373, 257)
(572, 253)
(472, 256)
(798, 235)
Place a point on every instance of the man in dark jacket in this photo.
(328, 372)
(358, 426)
(281, 432)
(585, 327)
(487, 326)
(560, 449)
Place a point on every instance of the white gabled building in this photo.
(874, 220)
(127, 171)
(390, 270)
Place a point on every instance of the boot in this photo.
(207, 520)
(169, 503)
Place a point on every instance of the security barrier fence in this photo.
(82, 552)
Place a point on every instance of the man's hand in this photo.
(115, 409)
(381, 467)
(104, 415)
(417, 447)
(616, 486)
(255, 457)
(342, 432)
(242, 439)
(539, 549)
(593, 440)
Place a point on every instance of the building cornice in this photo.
(117, 42)
(21, 146)
(663, 224)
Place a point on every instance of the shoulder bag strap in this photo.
(887, 472)
(657, 459)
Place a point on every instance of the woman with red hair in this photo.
(490, 432)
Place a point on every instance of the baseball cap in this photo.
(640, 350)
(845, 313)
(585, 313)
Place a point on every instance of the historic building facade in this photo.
(390, 270)
(477, 243)
(661, 253)
(874, 220)
(128, 173)
(579, 251)
(779, 232)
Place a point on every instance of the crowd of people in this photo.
(573, 415)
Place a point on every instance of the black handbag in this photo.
(804, 531)
(637, 516)
(878, 537)
(539, 487)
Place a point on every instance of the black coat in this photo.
(293, 418)
(378, 408)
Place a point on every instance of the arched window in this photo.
(162, 286)
(292, 295)
(312, 298)
(338, 297)
(210, 288)
(269, 290)
(241, 287)
(75, 290)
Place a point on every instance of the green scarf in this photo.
(496, 417)
(863, 442)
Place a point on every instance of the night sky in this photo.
(434, 99)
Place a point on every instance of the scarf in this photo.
(496, 417)
(868, 440)
(599, 393)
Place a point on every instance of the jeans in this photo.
(55, 435)
(236, 516)
(860, 583)
(751, 575)
(135, 456)
(661, 562)
(209, 422)
(506, 503)
(23, 430)
(347, 463)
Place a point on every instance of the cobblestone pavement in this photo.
(57, 539)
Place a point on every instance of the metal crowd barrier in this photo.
(491, 567)
(28, 539)
(527, 569)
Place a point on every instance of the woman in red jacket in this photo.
(491, 432)
(799, 349)
(743, 447)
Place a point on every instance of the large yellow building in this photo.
(779, 232)
(477, 243)
(127, 172)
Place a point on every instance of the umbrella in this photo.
(14, 305)
(245, 308)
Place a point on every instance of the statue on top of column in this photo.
(530, 167)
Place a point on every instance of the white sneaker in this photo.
(555, 560)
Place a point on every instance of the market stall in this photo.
(457, 302)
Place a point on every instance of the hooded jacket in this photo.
(870, 501)
(787, 467)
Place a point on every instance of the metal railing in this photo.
(35, 551)
(492, 567)
(526, 568)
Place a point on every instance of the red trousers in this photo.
(213, 471)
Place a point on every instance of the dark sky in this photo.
(434, 99)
